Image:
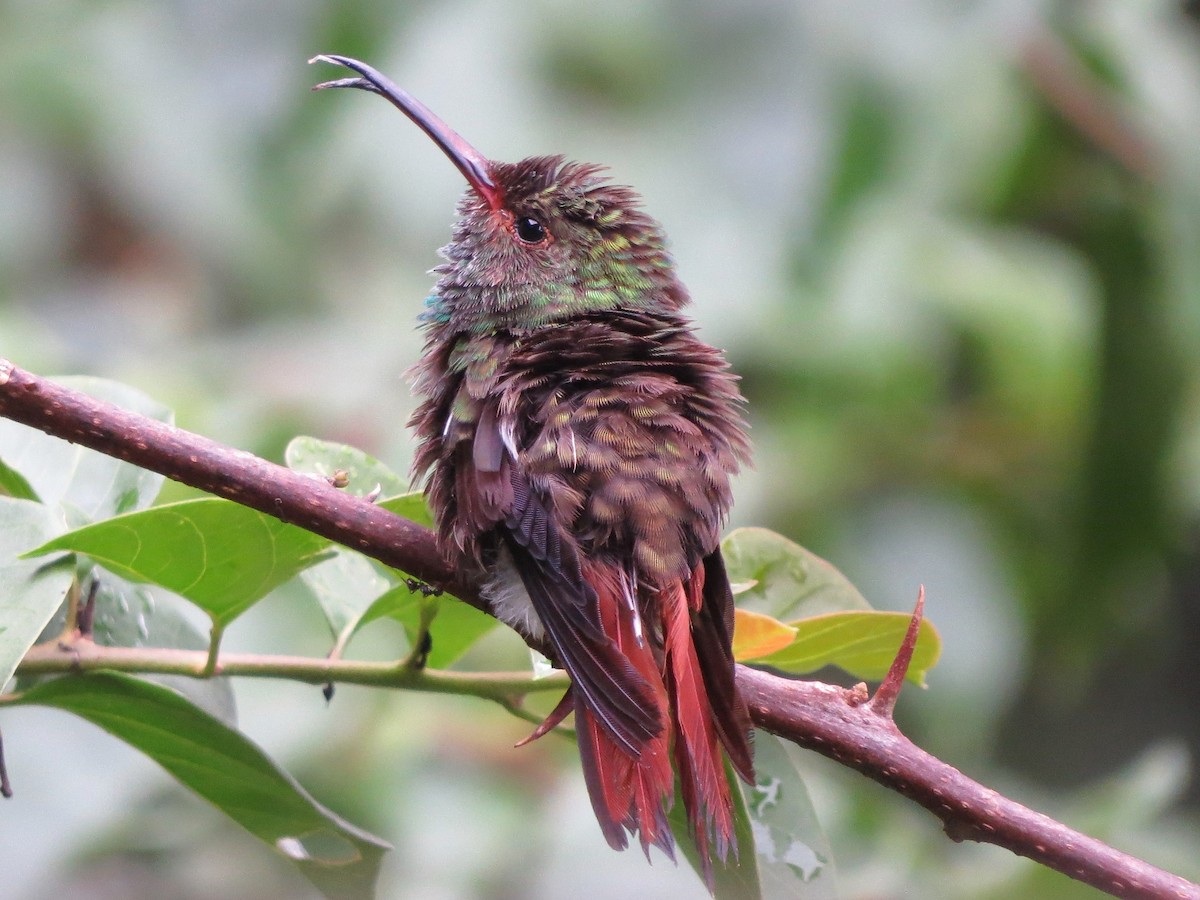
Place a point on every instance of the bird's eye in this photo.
(530, 230)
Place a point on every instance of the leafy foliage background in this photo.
(968, 336)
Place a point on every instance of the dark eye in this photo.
(530, 230)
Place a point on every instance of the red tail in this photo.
(697, 753)
(634, 794)
(627, 793)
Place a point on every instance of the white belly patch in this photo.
(510, 601)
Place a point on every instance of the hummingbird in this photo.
(576, 440)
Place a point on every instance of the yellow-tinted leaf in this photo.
(755, 635)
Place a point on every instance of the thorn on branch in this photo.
(86, 619)
(419, 657)
(327, 692)
(884, 701)
(373, 494)
(5, 785)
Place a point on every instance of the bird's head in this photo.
(538, 241)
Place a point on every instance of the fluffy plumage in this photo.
(578, 440)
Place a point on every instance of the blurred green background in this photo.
(953, 248)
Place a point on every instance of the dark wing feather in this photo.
(712, 633)
(492, 498)
(566, 604)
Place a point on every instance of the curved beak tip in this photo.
(469, 161)
(360, 83)
(334, 59)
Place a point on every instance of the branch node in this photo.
(214, 649)
(955, 831)
(857, 695)
(69, 645)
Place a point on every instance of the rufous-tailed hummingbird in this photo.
(577, 441)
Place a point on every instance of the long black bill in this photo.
(474, 166)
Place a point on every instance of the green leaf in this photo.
(737, 878)
(793, 853)
(782, 849)
(344, 586)
(30, 590)
(131, 615)
(348, 583)
(862, 643)
(89, 484)
(455, 629)
(229, 771)
(314, 456)
(13, 484)
(412, 506)
(456, 625)
(354, 591)
(220, 555)
(781, 579)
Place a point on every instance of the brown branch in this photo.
(820, 717)
(1086, 104)
(237, 475)
(834, 722)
